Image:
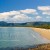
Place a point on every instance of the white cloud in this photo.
(46, 13)
(44, 8)
(29, 11)
(17, 16)
(20, 18)
(38, 17)
(6, 14)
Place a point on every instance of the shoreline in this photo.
(43, 32)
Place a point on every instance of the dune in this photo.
(43, 32)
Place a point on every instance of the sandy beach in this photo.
(43, 32)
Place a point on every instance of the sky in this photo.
(19, 11)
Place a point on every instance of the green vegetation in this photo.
(45, 25)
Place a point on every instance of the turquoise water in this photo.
(19, 37)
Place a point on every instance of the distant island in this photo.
(45, 25)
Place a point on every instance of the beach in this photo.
(43, 32)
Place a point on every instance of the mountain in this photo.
(27, 24)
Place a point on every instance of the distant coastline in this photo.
(45, 25)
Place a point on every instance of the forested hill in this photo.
(27, 24)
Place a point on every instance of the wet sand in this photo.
(43, 32)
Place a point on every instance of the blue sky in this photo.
(8, 5)
(24, 10)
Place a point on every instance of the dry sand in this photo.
(44, 32)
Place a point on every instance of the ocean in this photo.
(19, 37)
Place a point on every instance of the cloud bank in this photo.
(44, 8)
(17, 16)
(27, 15)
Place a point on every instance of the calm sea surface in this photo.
(19, 37)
